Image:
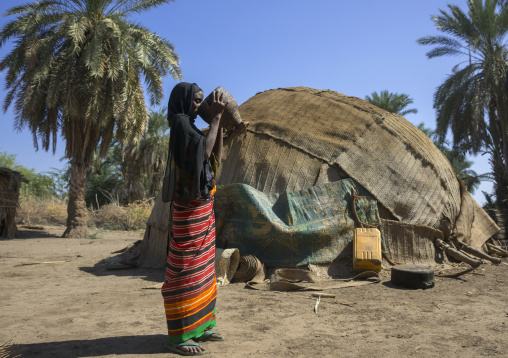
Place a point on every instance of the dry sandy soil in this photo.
(59, 301)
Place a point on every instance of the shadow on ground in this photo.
(138, 345)
(100, 270)
(35, 233)
(124, 263)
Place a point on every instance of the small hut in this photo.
(10, 183)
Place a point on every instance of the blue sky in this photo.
(352, 47)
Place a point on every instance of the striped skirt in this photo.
(190, 287)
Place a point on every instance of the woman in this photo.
(190, 287)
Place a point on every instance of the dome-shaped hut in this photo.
(301, 137)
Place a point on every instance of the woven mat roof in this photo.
(299, 135)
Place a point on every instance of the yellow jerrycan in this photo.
(367, 253)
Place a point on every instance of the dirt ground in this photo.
(59, 301)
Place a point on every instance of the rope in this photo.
(354, 198)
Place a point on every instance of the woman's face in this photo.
(196, 102)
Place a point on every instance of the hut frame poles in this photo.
(456, 254)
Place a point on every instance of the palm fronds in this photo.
(392, 102)
(472, 102)
(77, 68)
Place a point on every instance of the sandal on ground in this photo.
(174, 347)
(207, 337)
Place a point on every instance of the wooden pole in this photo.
(497, 250)
(440, 244)
(477, 253)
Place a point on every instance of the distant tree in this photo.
(60, 179)
(461, 166)
(457, 158)
(153, 149)
(8, 161)
(76, 68)
(472, 102)
(392, 102)
(104, 178)
(490, 201)
(131, 172)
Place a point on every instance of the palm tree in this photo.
(77, 68)
(145, 160)
(457, 158)
(392, 102)
(103, 177)
(472, 102)
(154, 149)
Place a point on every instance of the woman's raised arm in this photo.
(216, 108)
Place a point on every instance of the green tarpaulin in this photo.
(309, 226)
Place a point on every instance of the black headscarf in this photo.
(180, 100)
(188, 173)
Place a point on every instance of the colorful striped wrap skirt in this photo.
(190, 286)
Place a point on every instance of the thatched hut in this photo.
(301, 138)
(10, 183)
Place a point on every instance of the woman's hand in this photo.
(216, 107)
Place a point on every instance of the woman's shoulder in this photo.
(182, 124)
(178, 120)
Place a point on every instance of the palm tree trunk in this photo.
(502, 181)
(504, 142)
(77, 214)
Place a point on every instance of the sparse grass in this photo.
(53, 211)
(95, 234)
(130, 217)
(37, 211)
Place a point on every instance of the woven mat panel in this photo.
(294, 131)
(161, 215)
(403, 169)
(412, 244)
(268, 165)
(384, 152)
(318, 122)
(474, 226)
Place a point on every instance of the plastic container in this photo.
(367, 254)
